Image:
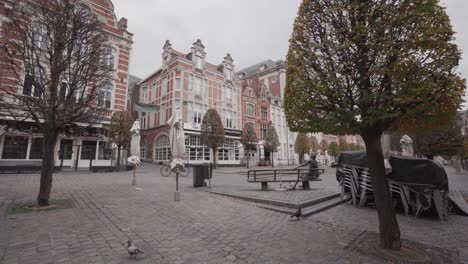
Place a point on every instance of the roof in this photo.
(254, 69)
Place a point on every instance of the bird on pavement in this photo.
(298, 213)
(132, 250)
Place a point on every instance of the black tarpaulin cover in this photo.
(418, 171)
(353, 158)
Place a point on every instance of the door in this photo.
(65, 153)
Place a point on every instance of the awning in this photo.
(145, 108)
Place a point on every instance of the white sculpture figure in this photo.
(406, 146)
(135, 144)
(177, 139)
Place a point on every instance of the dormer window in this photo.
(166, 56)
(263, 67)
(228, 74)
(199, 61)
(241, 75)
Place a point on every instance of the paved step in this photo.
(322, 206)
(302, 204)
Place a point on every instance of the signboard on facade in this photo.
(192, 126)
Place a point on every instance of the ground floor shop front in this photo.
(70, 152)
(156, 148)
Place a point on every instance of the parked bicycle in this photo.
(166, 170)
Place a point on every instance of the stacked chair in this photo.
(416, 185)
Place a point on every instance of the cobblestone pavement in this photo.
(202, 228)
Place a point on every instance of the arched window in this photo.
(162, 152)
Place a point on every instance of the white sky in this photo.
(251, 30)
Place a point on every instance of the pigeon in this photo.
(132, 250)
(298, 213)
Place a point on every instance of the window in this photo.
(108, 57)
(153, 91)
(104, 150)
(33, 82)
(263, 97)
(229, 150)
(164, 87)
(144, 95)
(40, 38)
(198, 85)
(66, 146)
(162, 149)
(264, 113)
(142, 151)
(199, 61)
(227, 94)
(263, 67)
(228, 74)
(250, 110)
(64, 90)
(104, 97)
(178, 84)
(195, 150)
(83, 11)
(162, 115)
(229, 120)
(88, 149)
(143, 120)
(15, 147)
(36, 148)
(263, 130)
(195, 113)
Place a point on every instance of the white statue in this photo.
(406, 146)
(135, 144)
(177, 139)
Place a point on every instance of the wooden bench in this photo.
(304, 175)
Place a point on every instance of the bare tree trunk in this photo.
(48, 147)
(388, 224)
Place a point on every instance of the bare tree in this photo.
(53, 58)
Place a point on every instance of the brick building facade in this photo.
(188, 82)
(19, 145)
(263, 87)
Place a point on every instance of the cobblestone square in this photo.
(202, 228)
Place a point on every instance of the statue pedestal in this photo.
(176, 196)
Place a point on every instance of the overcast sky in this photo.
(250, 30)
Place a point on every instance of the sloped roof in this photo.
(254, 69)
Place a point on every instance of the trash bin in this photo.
(201, 173)
(205, 171)
(198, 177)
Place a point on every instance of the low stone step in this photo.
(315, 209)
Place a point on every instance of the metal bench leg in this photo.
(264, 186)
(305, 185)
